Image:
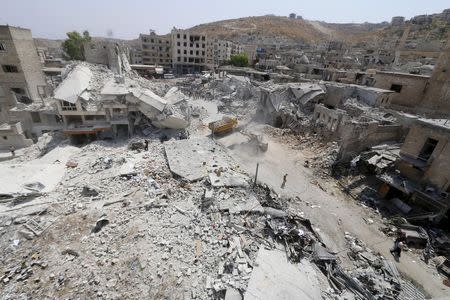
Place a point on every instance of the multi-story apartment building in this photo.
(21, 76)
(156, 49)
(223, 50)
(23, 113)
(136, 56)
(191, 52)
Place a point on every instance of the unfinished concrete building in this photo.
(21, 76)
(190, 52)
(156, 49)
(22, 84)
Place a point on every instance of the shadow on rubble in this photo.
(430, 240)
(374, 277)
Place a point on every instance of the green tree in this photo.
(73, 45)
(239, 60)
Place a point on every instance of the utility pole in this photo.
(256, 174)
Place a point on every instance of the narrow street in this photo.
(335, 213)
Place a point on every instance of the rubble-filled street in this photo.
(180, 216)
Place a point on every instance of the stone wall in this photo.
(412, 88)
(438, 165)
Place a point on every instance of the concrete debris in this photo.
(276, 278)
(185, 215)
(89, 191)
(34, 186)
(102, 222)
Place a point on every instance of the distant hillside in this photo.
(265, 28)
(252, 29)
(273, 29)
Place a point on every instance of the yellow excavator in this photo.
(225, 125)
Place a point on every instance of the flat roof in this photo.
(403, 74)
(442, 123)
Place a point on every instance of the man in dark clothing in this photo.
(146, 145)
(399, 242)
(284, 181)
(13, 150)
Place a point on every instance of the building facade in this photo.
(156, 49)
(21, 76)
(191, 52)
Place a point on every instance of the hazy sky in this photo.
(127, 18)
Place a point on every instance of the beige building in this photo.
(223, 50)
(409, 88)
(21, 76)
(191, 52)
(423, 180)
(426, 153)
(12, 135)
(23, 88)
(156, 49)
(436, 100)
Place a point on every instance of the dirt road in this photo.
(332, 212)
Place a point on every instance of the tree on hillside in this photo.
(239, 60)
(73, 45)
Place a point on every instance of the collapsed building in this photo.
(418, 185)
(94, 101)
(350, 114)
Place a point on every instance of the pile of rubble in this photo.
(168, 226)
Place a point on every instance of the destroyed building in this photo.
(92, 101)
(22, 84)
(156, 49)
(421, 175)
(191, 52)
(107, 52)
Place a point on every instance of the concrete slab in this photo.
(48, 170)
(191, 158)
(240, 205)
(276, 278)
(227, 178)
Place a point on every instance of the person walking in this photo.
(283, 184)
(12, 149)
(146, 145)
(399, 243)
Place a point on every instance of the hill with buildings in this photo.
(270, 29)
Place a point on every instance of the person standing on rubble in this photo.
(398, 244)
(146, 145)
(12, 149)
(283, 184)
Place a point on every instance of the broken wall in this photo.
(356, 137)
(437, 167)
(12, 135)
(412, 88)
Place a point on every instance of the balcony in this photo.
(78, 128)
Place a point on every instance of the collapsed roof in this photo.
(95, 84)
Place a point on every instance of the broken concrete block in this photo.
(232, 294)
(89, 191)
(71, 164)
(102, 222)
(277, 213)
(275, 277)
